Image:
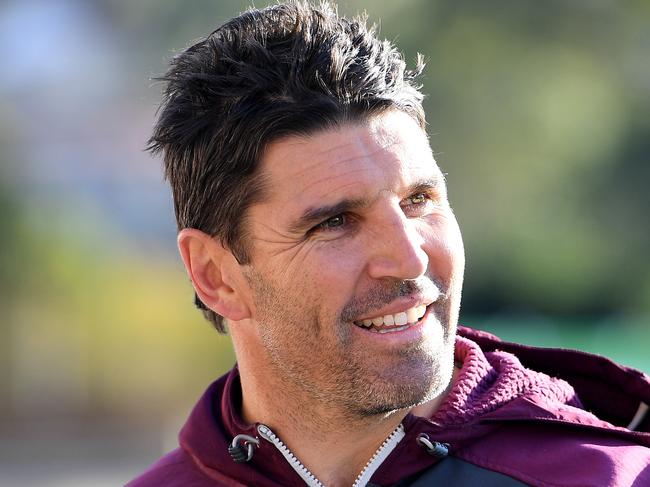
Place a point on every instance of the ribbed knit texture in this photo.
(488, 381)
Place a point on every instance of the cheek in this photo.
(444, 246)
(344, 259)
(333, 274)
(320, 282)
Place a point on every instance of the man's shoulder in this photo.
(614, 393)
(562, 453)
(566, 460)
(572, 419)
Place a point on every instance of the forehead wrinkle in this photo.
(372, 141)
(330, 177)
(354, 169)
(334, 162)
(370, 144)
(436, 179)
(306, 139)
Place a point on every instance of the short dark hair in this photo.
(288, 69)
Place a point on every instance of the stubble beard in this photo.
(338, 376)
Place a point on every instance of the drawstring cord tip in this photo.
(435, 448)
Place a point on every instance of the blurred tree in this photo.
(540, 116)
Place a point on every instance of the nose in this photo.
(397, 248)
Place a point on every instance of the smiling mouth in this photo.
(393, 323)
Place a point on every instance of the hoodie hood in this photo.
(488, 381)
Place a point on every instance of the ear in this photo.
(212, 269)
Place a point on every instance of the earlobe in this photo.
(208, 266)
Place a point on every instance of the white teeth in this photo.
(411, 315)
(421, 310)
(401, 319)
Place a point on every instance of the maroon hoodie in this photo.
(516, 415)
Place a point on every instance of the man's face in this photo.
(356, 227)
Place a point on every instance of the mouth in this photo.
(393, 323)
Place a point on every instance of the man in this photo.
(315, 225)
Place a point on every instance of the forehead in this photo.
(389, 152)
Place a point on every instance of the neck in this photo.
(334, 445)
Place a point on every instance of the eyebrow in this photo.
(314, 215)
(425, 185)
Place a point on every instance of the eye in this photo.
(420, 204)
(333, 222)
(417, 199)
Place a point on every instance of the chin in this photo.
(417, 380)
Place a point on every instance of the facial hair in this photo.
(316, 360)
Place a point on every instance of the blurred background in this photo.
(539, 113)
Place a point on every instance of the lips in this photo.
(402, 317)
